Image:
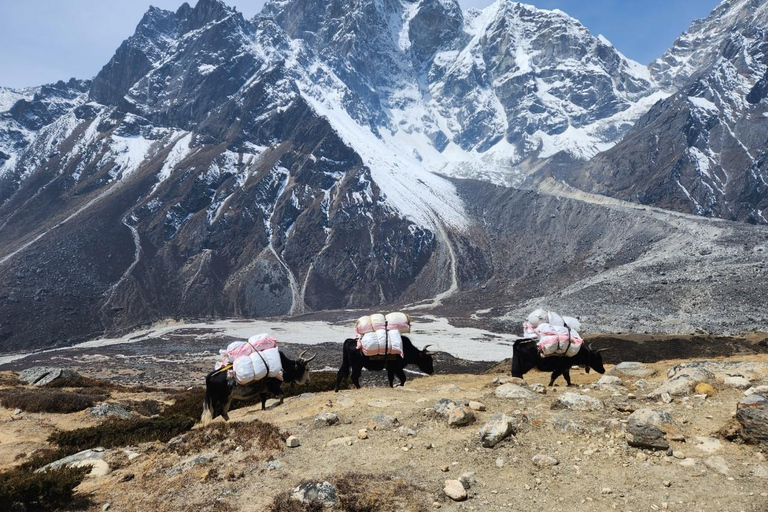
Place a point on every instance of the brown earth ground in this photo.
(596, 469)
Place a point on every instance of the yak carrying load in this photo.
(253, 360)
(380, 335)
(556, 335)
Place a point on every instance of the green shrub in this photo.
(25, 491)
(46, 400)
(114, 433)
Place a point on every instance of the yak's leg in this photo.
(391, 376)
(225, 409)
(343, 374)
(357, 370)
(567, 375)
(263, 401)
(555, 375)
(276, 389)
(401, 375)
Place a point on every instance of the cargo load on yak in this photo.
(555, 335)
(254, 359)
(380, 336)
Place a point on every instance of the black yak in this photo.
(221, 387)
(355, 360)
(525, 356)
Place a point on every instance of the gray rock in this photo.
(577, 402)
(643, 430)
(539, 388)
(736, 381)
(42, 375)
(86, 456)
(326, 419)
(341, 441)
(383, 422)
(107, 410)
(757, 390)
(461, 416)
(468, 479)
(694, 373)
(499, 427)
(542, 460)
(275, 465)
(632, 369)
(455, 490)
(717, 463)
(752, 415)
(514, 391)
(323, 493)
(444, 406)
(608, 381)
(292, 442)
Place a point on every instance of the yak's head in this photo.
(302, 368)
(595, 359)
(425, 363)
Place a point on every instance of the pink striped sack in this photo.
(372, 323)
(557, 341)
(236, 349)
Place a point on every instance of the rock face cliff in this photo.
(702, 150)
(310, 158)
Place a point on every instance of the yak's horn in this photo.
(307, 360)
(601, 350)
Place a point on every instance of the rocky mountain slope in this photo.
(224, 167)
(702, 150)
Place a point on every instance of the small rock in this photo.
(444, 406)
(757, 390)
(708, 444)
(678, 454)
(326, 419)
(666, 398)
(106, 506)
(717, 463)
(107, 410)
(606, 490)
(702, 388)
(609, 380)
(577, 402)
(323, 493)
(736, 381)
(362, 433)
(461, 416)
(667, 483)
(445, 468)
(499, 427)
(538, 388)
(514, 391)
(688, 463)
(275, 465)
(383, 422)
(542, 460)
(467, 479)
(499, 462)
(292, 442)
(643, 430)
(454, 490)
(341, 441)
(641, 384)
(632, 369)
(476, 406)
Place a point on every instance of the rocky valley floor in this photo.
(384, 449)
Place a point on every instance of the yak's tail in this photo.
(344, 369)
(207, 416)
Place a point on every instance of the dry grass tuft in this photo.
(226, 437)
(47, 400)
(363, 493)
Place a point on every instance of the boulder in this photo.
(577, 402)
(326, 419)
(717, 463)
(42, 375)
(107, 410)
(93, 458)
(499, 427)
(461, 416)
(643, 430)
(444, 406)
(694, 373)
(757, 390)
(322, 493)
(736, 381)
(752, 415)
(514, 391)
(632, 369)
(455, 490)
